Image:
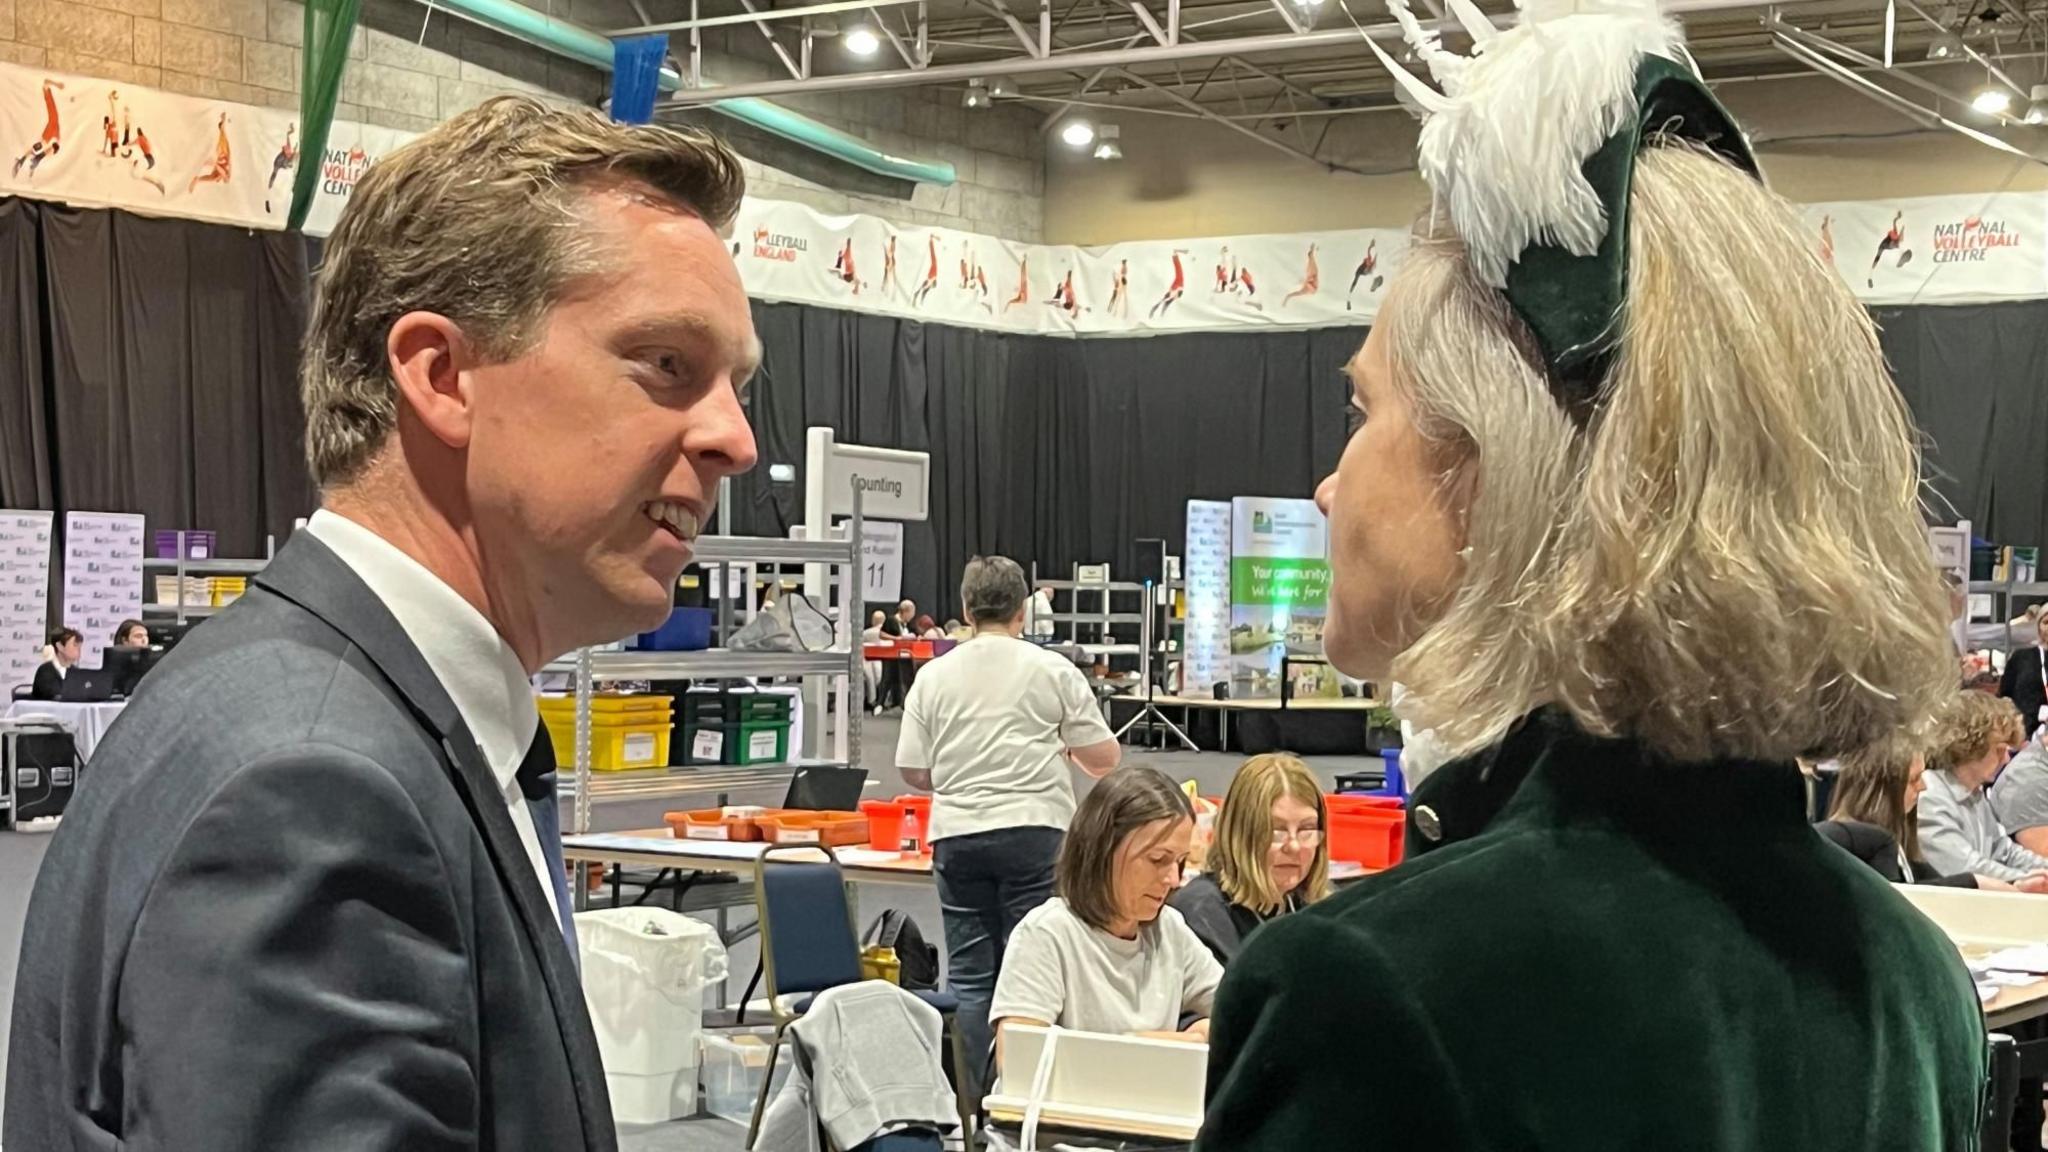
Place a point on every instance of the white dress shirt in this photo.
(474, 664)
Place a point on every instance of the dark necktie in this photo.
(537, 784)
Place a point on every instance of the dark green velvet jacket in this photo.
(1601, 951)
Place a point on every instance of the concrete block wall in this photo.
(409, 70)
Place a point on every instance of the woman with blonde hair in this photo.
(1268, 856)
(1633, 514)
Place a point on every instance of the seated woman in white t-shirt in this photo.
(1107, 954)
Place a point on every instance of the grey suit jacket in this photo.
(288, 910)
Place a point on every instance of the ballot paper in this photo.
(2031, 958)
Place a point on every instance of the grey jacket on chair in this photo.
(289, 910)
(873, 1055)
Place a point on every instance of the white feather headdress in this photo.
(1504, 141)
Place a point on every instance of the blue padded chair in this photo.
(809, 943)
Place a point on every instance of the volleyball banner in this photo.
(1937, 249)
(789, 252)
(100, 144)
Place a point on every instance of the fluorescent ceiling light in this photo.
(862, 41)
(1078, 133)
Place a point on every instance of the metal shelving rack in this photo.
(839, 667)
(2003, 592)
(184, 610)
(1098, 623)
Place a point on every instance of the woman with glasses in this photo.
(1268, 857)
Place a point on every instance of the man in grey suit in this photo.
(312, 896)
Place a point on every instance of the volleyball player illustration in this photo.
(1242, 278)
(52, 139)
(981, 288)
(931, 274)
(966, 267)
(110, 143)
(1120, 291)
(1827, 239)
(1023, 295)
(221, 168)
(286, 157)
(132, 142)
(1366, 267)
(1064, 297)
(1226, 272)
(1173, 290)
(1311, 280)
(1892, 241)
(889, 265)
(843, 267)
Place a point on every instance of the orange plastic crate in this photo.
(825, 829)
(1373, 838)
(1344, 803)
(713, 824)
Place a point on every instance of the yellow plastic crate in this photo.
(612, 704)
(615, 745)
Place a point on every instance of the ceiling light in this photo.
(1308, 3)
(2037, 105)
(1078, 133)
(1002, 86)
(1992, 100)
(862, 41)
(1946, 46)
(976, 95)
(1106, 143)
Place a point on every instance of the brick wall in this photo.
(409, 70)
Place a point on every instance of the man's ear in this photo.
(430, 359)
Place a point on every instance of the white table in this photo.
(87, 723)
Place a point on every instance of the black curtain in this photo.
(150, 365)
(1976, 378)
(1045, 448)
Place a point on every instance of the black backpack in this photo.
(920, 961)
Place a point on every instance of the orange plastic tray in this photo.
(713, 824)
(826, 829)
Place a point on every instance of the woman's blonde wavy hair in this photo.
(1728, 559)
(1244, 834)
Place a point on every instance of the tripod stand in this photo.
(1150, 715)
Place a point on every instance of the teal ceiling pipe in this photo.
(577, 43)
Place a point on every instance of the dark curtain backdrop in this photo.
(149, 365)
(1044, 448)
(1976, 377)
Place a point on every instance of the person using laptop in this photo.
(131, 634)
(66, 646)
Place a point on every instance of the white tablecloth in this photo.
(87, 723)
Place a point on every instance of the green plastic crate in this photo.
(757, 742)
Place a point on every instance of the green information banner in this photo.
(1279, 580)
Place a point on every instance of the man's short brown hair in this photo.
(478, 220)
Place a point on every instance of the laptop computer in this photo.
(87, 686)
(825, 788)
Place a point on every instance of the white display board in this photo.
(24, 593)
(102, 576)
(1207, 570)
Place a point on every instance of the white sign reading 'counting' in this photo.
(893, 483)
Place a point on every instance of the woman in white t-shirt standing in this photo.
(991, 729)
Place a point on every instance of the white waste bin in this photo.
(644, 975)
